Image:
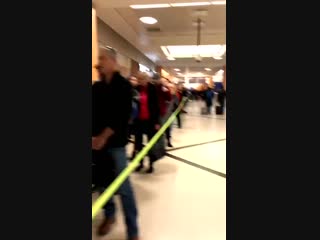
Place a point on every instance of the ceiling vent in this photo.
(153, 29)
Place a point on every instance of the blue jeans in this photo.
(126, 194)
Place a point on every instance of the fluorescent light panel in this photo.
(218, 3)
(167, 5)
(189, 51)
(145, 6)
(165, 51)
(190, 4)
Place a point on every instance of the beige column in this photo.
(94, 45)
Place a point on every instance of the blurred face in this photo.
(164, 82)
(173, 89)
(134, 81)
(142, 80)
(106, 64)
(101, 75)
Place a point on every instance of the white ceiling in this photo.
(174, 27)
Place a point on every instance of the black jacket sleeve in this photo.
(122, 108)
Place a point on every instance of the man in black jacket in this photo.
(111, 109)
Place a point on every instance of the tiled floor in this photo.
(180, 201)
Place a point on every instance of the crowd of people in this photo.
(153, 102)
(123, 110)
(207, 94)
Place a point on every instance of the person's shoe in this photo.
(169, 144)
(106, 226)
(150, 170)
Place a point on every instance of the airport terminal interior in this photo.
(183, 42)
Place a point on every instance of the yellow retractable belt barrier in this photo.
(114, 186)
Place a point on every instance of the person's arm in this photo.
(135, 95)
(118, 118)
(107, 133)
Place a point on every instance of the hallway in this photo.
(186, 196)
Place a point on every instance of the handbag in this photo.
(158, 150)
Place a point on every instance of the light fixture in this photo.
(218, 2)
(167, 5)
(190, 4)
(171, 58)
(166, 52)
(146, 6)
(177, 69)
(148, 20)
(208, 69)
(195, 23)
(190, 51)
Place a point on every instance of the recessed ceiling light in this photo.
(208, 69)
(190, 4)
(145, 6)
(148, 20)
(177, 69)
(218, 3)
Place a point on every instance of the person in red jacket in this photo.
(148, 121)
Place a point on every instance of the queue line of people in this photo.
(119, 108)
(154, 102)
